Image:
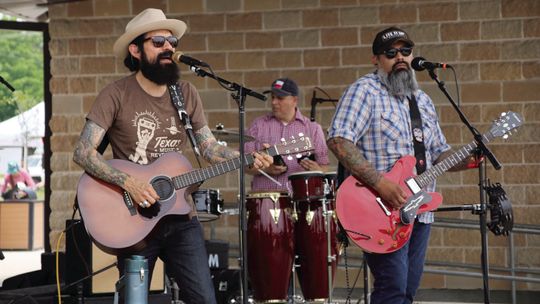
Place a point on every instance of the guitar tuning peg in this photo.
(505, 136)
(282, 139)
(289, 157)
(298, 155)
(503, 114)
(301, 134)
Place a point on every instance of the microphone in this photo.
(313, 105)
(420, 64)
(179, 57)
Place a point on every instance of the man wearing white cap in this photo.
(142, 124)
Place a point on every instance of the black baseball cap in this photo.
(282, 87)
(386, 38)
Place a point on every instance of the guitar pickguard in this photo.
(408, 212)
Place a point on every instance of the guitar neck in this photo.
(430, 175)
(200, 175)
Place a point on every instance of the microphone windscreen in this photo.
(417, 63)
(176, 56)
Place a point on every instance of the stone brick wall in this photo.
(493, 45)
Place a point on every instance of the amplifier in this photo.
(218, 254)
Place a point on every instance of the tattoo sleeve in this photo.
(349, 156)
(87, 156)
(211, 150)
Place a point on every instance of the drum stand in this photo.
(327, 222)
(293, 298)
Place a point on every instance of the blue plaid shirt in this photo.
(380, 125)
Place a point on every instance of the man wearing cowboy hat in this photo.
(142, 124)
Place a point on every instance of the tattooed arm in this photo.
(213, 152)
(87, 156)
(349, 156)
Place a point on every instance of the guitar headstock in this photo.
(294, 145)
(507, 122)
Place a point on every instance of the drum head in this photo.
(306, 174)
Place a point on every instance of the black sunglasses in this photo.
(159, 41)
(391, 53)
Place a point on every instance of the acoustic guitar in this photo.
(116, 223)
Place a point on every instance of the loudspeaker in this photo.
(84, 258)
(226, 285)
(218, 254)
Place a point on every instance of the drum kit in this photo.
(288, 232)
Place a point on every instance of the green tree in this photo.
(21, 64)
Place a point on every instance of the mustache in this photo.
(165, 55)
(394, 67)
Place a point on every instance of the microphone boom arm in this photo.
(232, 86)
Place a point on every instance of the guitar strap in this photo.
(177, 99)
(418, 135)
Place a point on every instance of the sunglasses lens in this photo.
(158, 41)
(391, 53)
(173, 41)
(406, 51)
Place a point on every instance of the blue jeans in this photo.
(397, 274)
(180, 245)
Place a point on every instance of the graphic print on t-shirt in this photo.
(172, 129)
(146, 124)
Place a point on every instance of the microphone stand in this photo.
(481, 150)
(240, 97)
(315, 101)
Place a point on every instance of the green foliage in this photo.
(21, 64)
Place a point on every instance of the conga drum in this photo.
(307, 186)
(270, 244)
(311, 247)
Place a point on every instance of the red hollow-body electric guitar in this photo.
(374, 226)
(116, 223)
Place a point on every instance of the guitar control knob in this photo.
(381, 242)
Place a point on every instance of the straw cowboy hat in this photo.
(150, 19)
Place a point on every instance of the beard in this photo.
(158, 73)
(400, 82)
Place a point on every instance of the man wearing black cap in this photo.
(285, 121)
(370, 131)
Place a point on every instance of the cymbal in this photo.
(230, 136)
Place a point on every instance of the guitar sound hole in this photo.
(163, 186)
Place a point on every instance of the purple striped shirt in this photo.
(268, 129)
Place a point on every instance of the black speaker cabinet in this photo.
(84, 258)
(226, 285)
(218, 254)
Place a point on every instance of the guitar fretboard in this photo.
(199, 175)
(430, 175)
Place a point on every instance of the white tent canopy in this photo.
(27, 127)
